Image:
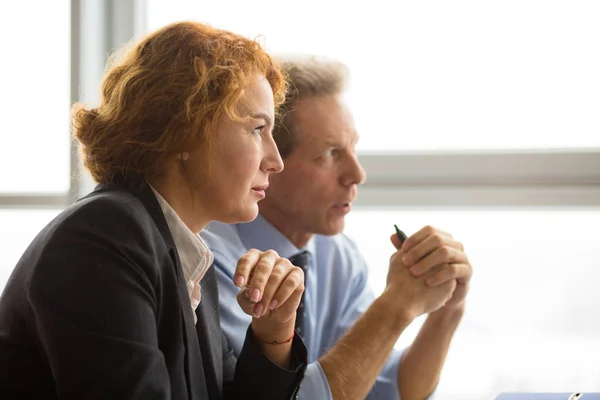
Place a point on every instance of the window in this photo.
(62, 45)
(439, 75)
(529, 324)
(35, 80)
(35, 145)
(480, 118)
(476, 117)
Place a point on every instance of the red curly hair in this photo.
(165, 97)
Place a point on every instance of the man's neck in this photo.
(281, 223)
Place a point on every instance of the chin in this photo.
(241, 216)
(333, 229)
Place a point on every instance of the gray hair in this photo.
(309, 76)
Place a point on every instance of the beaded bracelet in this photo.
(278, 342)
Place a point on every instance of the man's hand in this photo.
(412, 296)
(435, 256)
(271, 287)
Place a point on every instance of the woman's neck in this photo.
(180, 197)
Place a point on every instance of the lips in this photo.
(342, 208)
(348, 201)
(346, 204)
(260, 190)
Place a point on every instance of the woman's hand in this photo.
(271, 291)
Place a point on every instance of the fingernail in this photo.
(255, 295)
(406, 260)
(414, 271)
(239, 281)
(273, 304)
(258, 309)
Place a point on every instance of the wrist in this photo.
(269, 333)
(402, 314)
(449, 314)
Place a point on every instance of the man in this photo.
(349, 333)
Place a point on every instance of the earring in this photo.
(184, 156)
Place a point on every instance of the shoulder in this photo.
(113, 222)
(113, 201)
(114, 212)
(102, 235)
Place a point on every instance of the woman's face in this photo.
(243, 156)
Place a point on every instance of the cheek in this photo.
(237, 163)
(245, 167)
(308, 193)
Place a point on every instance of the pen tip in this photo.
(401, 235)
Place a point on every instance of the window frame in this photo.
(97, 28)
(556, 178)
(559, 178)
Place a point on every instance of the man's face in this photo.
(316, 189)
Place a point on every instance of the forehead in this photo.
(325, 119)
(257, 98)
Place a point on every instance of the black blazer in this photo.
(97, 308)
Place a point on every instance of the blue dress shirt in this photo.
(335, 296)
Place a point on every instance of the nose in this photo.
(355, 174)
(272, 161)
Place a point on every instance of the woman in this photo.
(115, 298)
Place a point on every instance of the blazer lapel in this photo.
(210, 335)
(196, 375)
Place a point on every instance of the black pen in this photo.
(401, 235)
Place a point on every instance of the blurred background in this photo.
(479, 117)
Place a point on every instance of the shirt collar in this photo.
(260, 234)
(193, 253)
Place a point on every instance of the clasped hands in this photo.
(429, 271)
(271, 291)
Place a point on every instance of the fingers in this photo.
(460, 272)
(270, 281)
(421, 235)
(244, 302)
(244, 267)
(261, 274)
(433, 251)
(278, 274)
(441, 255)
(293, 284)
(396, 242)
(283, 281)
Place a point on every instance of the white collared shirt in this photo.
(193, 253)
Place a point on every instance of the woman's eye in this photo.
(258, 130)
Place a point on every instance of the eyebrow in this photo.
(263, 116)
(334, 143)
